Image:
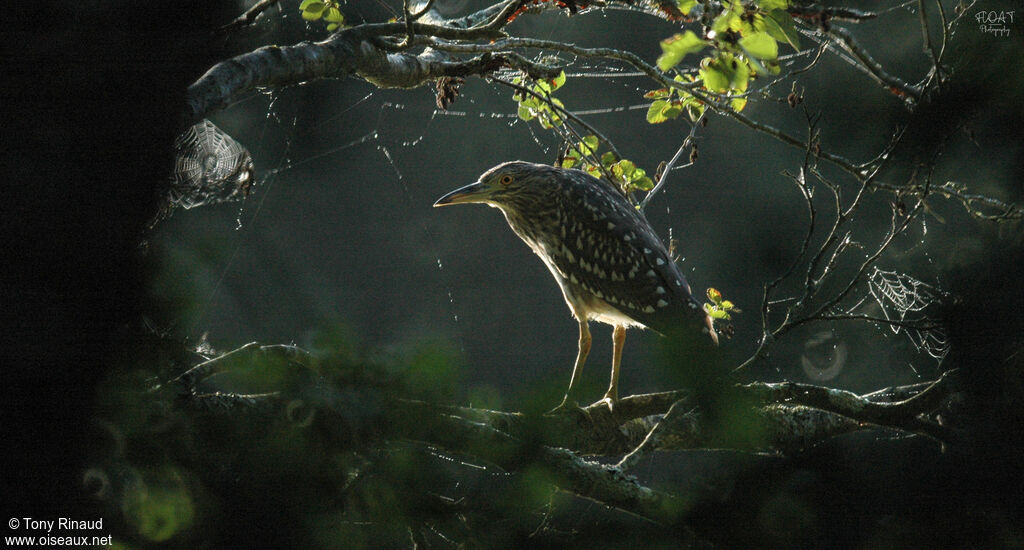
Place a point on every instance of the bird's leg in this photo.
(618, 341)
(577, 369)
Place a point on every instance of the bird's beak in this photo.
(474, 192)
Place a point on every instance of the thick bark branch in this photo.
(353, 52)
(777, 417)
(605, 484)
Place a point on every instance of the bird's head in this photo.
(510, 186)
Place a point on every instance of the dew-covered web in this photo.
(210, 167)
(907, 302)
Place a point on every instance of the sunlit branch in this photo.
(929, 48)
(688, 141)
(249, 16)
(838, 13)
(604, 53)
(891, 83)
(896, 230)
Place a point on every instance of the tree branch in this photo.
(355, 51)
(249, 16)
(874, 69)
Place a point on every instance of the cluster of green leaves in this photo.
(669, 103)
(327, 10)
(744, 43)
(533, 107)
(719, 308)
(624, 173)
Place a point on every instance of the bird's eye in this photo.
(506, 179)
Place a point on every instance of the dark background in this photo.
(345, 240)
(91, 94)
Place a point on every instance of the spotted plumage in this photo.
(606, 258)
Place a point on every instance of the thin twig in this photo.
(248, 17)
(880, 320)
(564, 112)
(672, 162)
(896, 229)
(892, 83)
(653, 436)
(815, 11)
(501, 19)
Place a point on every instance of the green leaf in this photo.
(760, 45)
(724, 73)
(608, 159)
(644, 184)
(749, 25)
(656, 113)
(558, 81)
(526, 113)
(768, 5)
(738, 103)
(677, 47)
(685, 6)
(729, 19)
(673, 111)
(313, 11)
(589, 145)
(332, 26)
(740, 76)
(780, 26)
(714, 78)
(334, 15)
(714, 295)
(625, 168)
(305, 4)
(616, 171)
(658, 94)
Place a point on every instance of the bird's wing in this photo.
(611, 251)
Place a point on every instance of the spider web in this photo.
(906, 300)
(210, 167)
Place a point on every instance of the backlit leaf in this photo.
(760, 45)
(779, 25)
(677, 47)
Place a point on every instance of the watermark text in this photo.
(996, 23)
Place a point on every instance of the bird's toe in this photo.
(608, 401)
(567, 406)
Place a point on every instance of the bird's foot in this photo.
(609, 401)
(567, 406)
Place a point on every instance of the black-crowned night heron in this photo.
(610, 264)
